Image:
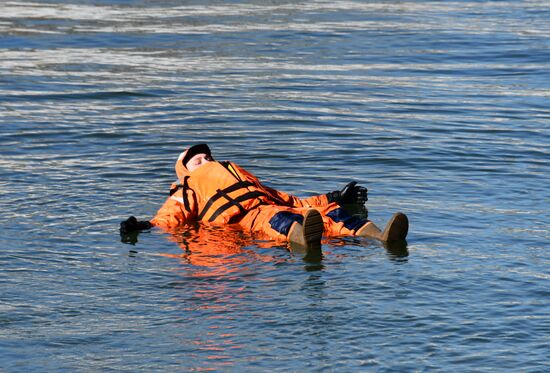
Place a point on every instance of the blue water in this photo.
(440, 108)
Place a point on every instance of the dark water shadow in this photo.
(397, 251)
(312, 256)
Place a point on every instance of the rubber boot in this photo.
(369, 230)
(310, 232)
(396, 229)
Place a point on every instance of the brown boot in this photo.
(369, 230)
(310, 232)
(396, 229)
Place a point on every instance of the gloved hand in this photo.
(132, 224)
(350, 194)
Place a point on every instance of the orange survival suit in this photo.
(224, 193)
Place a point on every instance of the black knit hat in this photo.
(194, 150)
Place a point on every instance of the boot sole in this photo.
(313, 227)
(397, 228)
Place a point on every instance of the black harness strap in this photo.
(175, 189)
(240, 184)
(185, 187)
(236, 202)
(223, 193)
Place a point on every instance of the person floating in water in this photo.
(223, 193)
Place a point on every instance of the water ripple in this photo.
(440, 108)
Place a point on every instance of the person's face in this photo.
(197, 161)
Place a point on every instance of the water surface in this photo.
(439, 108)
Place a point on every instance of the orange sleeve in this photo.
(294, 201)
(173, 212)
(285, 198)
(314, 201)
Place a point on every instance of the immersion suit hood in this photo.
(185, 156)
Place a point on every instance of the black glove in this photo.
(350, 194)
(132, 224)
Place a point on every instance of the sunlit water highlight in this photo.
(440, 108)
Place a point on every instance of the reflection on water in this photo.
(228, 248)
(222, 250)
